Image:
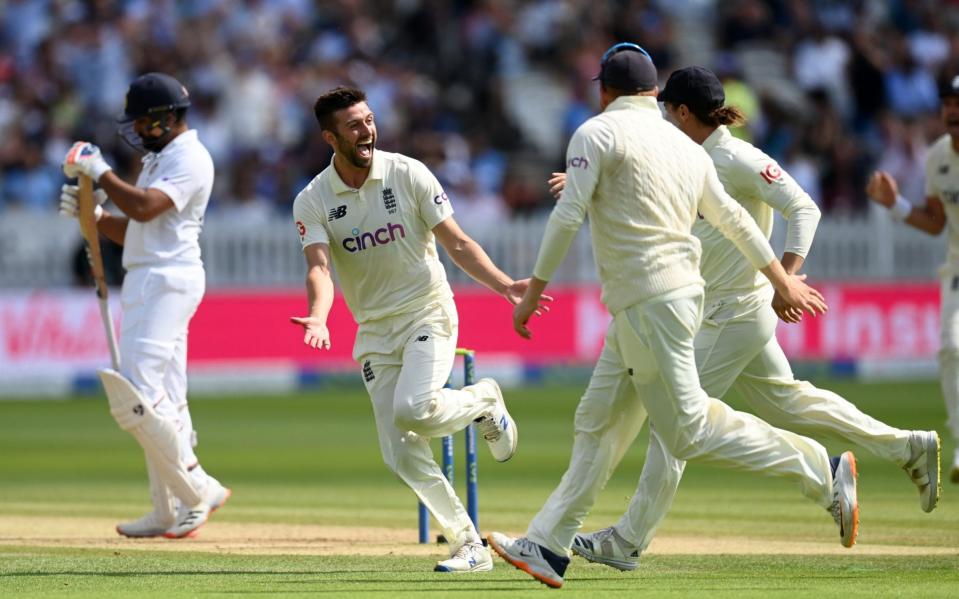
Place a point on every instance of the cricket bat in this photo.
(91, 239)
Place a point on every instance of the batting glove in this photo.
(69, 195)
(84, 158)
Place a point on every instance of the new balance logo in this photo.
(338, 212)
(503, 422)
(423, 338)
(368, 372)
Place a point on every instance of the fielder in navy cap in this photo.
(697, 92)
(627, 67)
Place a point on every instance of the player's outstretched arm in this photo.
(473, 260)
(883, 190)
(319, 293)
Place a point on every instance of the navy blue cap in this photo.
(696, 87)
(152, 93)
(626, 66)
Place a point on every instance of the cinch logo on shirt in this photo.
(381, 236)
(578, 162)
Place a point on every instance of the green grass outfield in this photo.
(314, 511)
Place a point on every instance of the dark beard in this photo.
(349, 152)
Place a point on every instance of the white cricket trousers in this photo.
(410, 406)
(158, 303)
(649, 347)
(949, 351)
(742, 353)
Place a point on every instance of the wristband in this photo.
(901, 208)
(98, 168)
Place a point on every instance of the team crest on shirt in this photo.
(389, 200)
(944, 169)
(771, 173)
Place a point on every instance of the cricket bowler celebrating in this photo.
(941, 209)
(736, 346)
(376, 217)
(642, 182)
(159, 229)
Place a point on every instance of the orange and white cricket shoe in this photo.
(149, 526)
(189, 520)
(532, 558)
(845, 502)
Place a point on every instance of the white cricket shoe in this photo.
(845, 504)
(470, 557)
(606, 547)
(189, 520)
(924, 467)
(498, 427)
(532, 558)
(151, 525)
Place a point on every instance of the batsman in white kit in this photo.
(159, 229)
(376, 216)
(940, 212)
(736, 346)
(643, 184)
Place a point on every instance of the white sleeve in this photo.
(184, 180)
(310, 221)
(733, 221)
(583, 163)
(778, 189)
(431, 201)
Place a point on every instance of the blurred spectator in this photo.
(820, 62)
(450, 84)
(904, 154)
(29, 182)
(911, 89)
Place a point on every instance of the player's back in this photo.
(645, 203)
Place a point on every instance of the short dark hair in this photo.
(333, 100)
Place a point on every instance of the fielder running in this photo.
(941, 209)
(377, 216)
(736, 345)
(642, 200)
(164, 282)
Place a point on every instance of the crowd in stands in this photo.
(485, 92)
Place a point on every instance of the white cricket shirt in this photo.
(380, 235)
(183, 170)
(754, 180)
(942, 181)
(642, 181)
